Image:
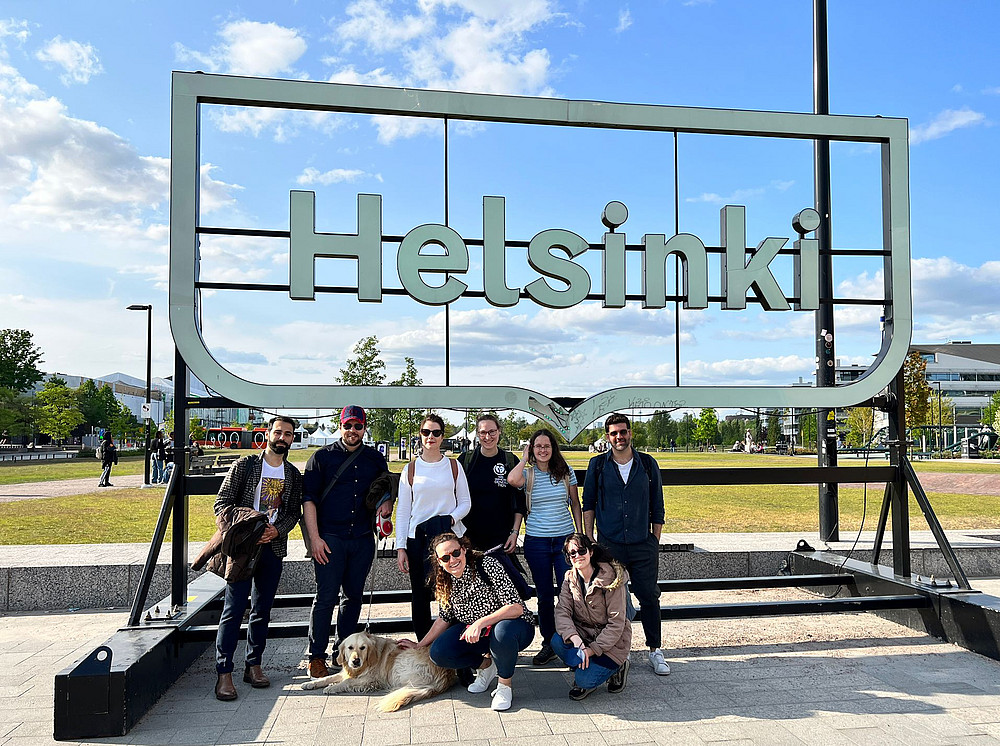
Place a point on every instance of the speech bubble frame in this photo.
(191, 90)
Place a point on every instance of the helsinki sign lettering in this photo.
(738, 276)
(438, 252)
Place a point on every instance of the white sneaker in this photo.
(657, 663)
(484, 677)
(502, 697)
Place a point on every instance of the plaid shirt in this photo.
(240, 485)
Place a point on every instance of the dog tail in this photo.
(405, 695)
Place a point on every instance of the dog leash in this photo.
(382, 528)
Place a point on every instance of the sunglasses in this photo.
(353, 426)
(617, 433)
(581, 552)
(428, 433)
(448, 556)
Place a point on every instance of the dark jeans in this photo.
(341, 579)
(505, 640)
(598, 670)
(544, 555)
(259, 592)
(643, 563)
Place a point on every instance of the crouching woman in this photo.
(593, 631)
(482, 622)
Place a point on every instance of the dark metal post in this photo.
(940, 432)
(900, 503)
(179, 523)
(826, 429)
(149, 380)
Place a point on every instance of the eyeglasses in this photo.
(353, 426)
(488, 433)
(449, 556)
(581, 552)
(541, 447)
(428, 433)
(617, 433)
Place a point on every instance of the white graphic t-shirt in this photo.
(270, 489)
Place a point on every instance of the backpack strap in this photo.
(529, 482)
(410, 469)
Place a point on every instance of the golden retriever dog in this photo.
(372, 664)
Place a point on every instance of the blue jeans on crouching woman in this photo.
(600, 669)
(505, 640)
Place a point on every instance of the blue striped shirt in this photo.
(550, 514)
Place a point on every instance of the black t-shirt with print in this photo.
(493, 501)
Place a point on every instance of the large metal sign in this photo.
(550, 253)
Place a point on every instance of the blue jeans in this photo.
(106, 474)
(504, 641)
(598, 670)
(341, 578)
(259, 592)
(157, 466)
(544, 555)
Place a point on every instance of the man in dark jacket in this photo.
(339, 523)
(268, 483)
(108, 454)
(623, 492)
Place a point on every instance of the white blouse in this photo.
(434, 492)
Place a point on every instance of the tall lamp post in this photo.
(148, 308)
(940, 423)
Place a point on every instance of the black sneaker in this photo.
(619, 678)
(545, 655)
(579, 693)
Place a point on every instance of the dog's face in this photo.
(356, 653)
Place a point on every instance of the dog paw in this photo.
(332, 689)
(307, 685)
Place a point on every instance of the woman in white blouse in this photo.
(433, 498)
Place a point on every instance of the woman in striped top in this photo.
(554, 512)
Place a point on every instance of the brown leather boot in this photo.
(225, 690)
(254, 676)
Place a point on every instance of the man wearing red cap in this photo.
(339, 518)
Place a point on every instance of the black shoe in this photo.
(579, 693)
(466, 676)
(545, 655)
(619, 678)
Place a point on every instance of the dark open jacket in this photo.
(232, 552)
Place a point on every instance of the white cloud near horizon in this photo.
(945, 123)
(740, 196)
(335, 176)
(79, 61)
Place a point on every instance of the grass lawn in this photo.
(129, 515)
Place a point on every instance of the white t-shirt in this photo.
(434, 492)
(267, 498)
(624, 469)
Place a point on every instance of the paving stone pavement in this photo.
(848, 679)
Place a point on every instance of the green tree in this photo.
(513, 424)
(407, 421)
(17, 412)
(860, 422)
(707, 428)
(685, 429)
(124, 424)
(58, 409)
(19, 358)
(917, 390)
(992, 410)
(660, 429)
(196, 430)
(773, 427)
(807, 430)
(366, 368)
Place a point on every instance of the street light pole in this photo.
(940, 423)
(148, 308)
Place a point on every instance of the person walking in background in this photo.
(157, 455)
(108, 454)
(624, 494)
(552, 501)
(593, 631)
(433, 498)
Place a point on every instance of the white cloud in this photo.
(757, 370)
(79, 61)
(945, 123)
(735, 198)
(18, 30)
(995, 91)
(624, 20)
(250, 48)
(335, 176)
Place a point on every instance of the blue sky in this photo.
(84, 163)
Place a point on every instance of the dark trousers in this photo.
(642, 560)
(504, 641)
(544, 555)
(420, 599)
(341, 579)
(259, 592)
(105, 475)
